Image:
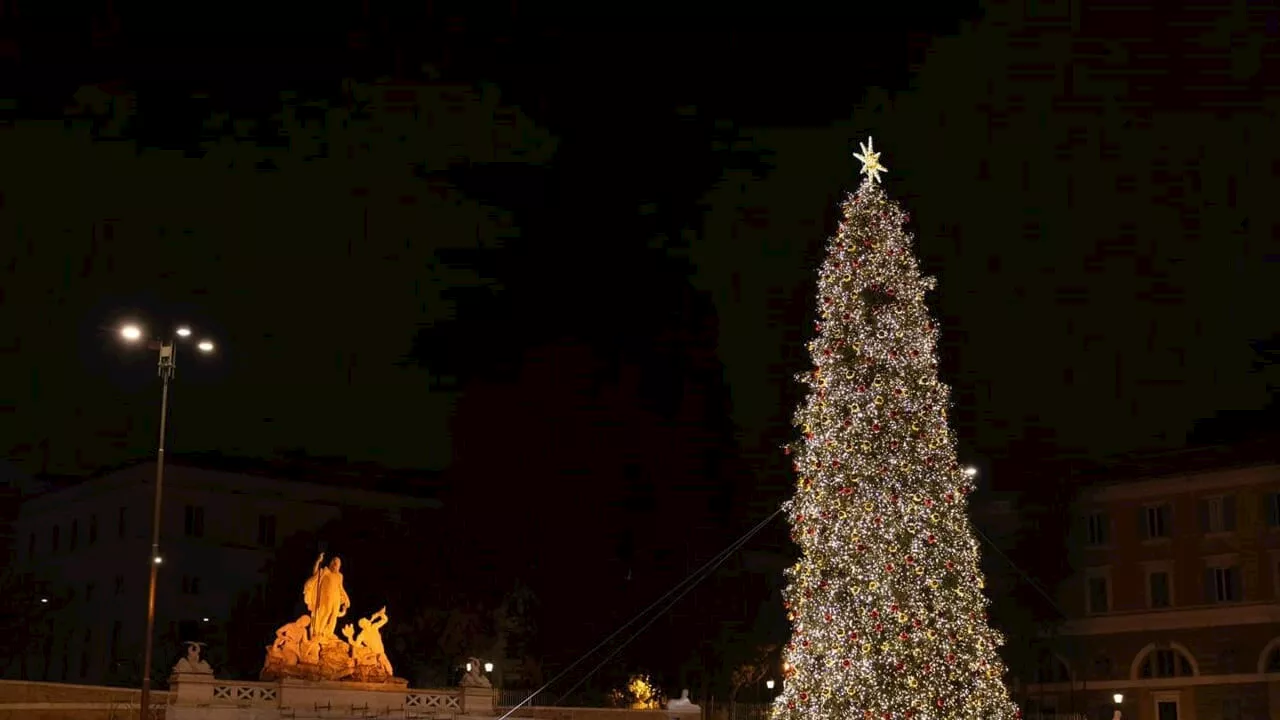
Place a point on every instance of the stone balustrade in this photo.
(202, 697)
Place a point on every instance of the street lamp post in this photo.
(167, 357)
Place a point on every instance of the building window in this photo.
(56, 539)
(1102, 667)
(1165, 664)
(1099, 529)
(1218, 514)
(1051, 669)
(120, 526)
(1273, 661)
(1231, 709)
(85, 653)
(1222, 584)
(267, 530)
(93, 529)
(116, 628)
(1099, 594)
(1159, 593)
(190, 585)
(31, 546)
(1272, 501)
(119, 584)
(1156, 521)
(193, 521)
(75, 535)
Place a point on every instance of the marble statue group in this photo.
(309, 648)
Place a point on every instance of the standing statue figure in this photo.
(325, 597)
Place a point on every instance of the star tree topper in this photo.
(871, 166)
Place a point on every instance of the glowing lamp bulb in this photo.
(205, 346)
(157, 559)
(184, 332)
(1118, 697)
(131, 332)
(768, 684)
(971, 471)
(488, 667)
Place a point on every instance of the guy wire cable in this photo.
(728, 552)
(694, 578)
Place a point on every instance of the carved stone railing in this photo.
(202, 697)
(245, 694)
(420, 701)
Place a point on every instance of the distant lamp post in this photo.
(768, 684)
(1119, 698)
(488, 667)
(168, 353)
(971, 472)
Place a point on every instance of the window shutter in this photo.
(1204, 516)
(1237, 587)
(1229, 513)
(1273, 517)
(1144, 528)
(1210, 589)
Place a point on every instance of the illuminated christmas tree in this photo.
(886, 604)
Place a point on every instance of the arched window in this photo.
(1166, 662)
(1050, 668)
(1271, 663)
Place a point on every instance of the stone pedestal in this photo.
(354, 698)
(477, 701)
(203, 697)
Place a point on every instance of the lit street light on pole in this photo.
(168, 352)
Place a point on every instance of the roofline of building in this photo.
(1180, 462)
(250, 468)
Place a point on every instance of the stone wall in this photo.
(578, 713)
(20, 699)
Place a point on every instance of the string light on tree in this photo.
(886, 604)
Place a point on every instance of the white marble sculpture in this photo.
(475, 675)
(682, 703)
(192, 662)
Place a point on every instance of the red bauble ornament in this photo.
(791, 706)
(879, 627)
(903, 636)
(804, 696)
(931, 540)
(828, 617)
(853, 636)
(786, 450)
(876, 427)
(951, 657)
(846, 490)
(940, 704)
(846, 663)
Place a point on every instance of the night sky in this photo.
(590, 336)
